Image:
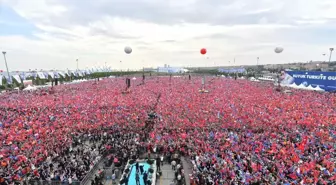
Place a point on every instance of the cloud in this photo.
(169, 32)
(169, 41)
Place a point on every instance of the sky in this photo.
(52, 34)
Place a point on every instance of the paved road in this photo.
(187, 169)
(101, 165)
(167, 177)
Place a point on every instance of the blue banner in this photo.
(323, 80)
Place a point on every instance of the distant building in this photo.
(313, 66)
(310, 66)
(232, 70)
(171, 70)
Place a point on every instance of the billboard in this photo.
(312, 79)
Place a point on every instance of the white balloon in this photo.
(278, 49)
(128, 50)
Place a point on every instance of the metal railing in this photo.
(94, 169)
(91, 173)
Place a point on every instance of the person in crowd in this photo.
(145, 177)
(113, 177)
(239, 133)
(141, 169)
(137, 167)
(137, 178)
(162, 159)
(158, 163)
(173, 164)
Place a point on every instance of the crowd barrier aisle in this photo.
(83, 182)
(93, 170)
(91, 173)
(108, 174)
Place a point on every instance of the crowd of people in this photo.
(240, 132)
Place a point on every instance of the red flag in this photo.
(293, 176)
(333, 178)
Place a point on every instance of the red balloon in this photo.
(203, 51)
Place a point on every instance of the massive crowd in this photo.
(240, 132)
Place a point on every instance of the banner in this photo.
(61, 73)
(9, 79)
(56, 75)
(232, 70)
(41, 75)
(170, 70)
(51, 74)
(17, 78)
(23, 76)
(311, 79)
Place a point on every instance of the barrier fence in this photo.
(84, 181)
(93, 170)
(109, 172)
(53, 182)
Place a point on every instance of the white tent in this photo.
(61, 73)
(318, 88)
(77, 81)
(293, 85)
(30, 88)
(310, 88)
(254, 79)
(51, 74)
(301, 86)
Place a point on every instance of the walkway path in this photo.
(187, 169)
(108, 175)
(95, 172)
(167, 176)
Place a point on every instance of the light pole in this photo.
(324, 60)
(331, 50)
(77, 63)
(4, 54)
(257, 61)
